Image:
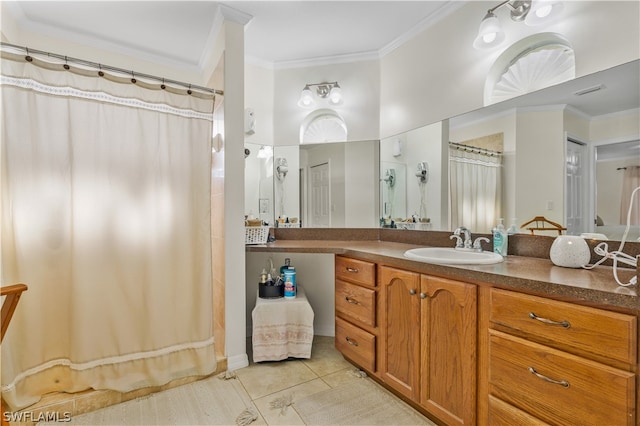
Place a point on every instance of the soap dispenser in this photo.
(500, 243)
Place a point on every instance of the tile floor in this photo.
(267, 381)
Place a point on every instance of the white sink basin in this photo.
(451, 256)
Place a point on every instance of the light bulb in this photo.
(543, 12)
(335, 95)
(490, 33)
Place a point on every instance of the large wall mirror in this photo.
(565, 151)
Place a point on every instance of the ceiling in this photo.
(279, 33)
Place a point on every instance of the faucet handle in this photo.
(476, 243)
(459, 243)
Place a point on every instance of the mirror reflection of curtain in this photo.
(106, 208)
(630, 181)
(475, 188)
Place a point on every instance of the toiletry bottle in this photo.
(500, 239)
(287, 263)
(513, 228)
(290, 289)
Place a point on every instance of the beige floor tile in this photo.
(269, 377)
(340, 377)
(276, 416)
(325, 359)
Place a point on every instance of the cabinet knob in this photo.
(412, 291)
(423, 296)
(351, 341)
(351, 300)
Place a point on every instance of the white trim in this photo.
(236, 362)
(27, 83)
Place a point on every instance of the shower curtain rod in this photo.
(101, 67)
(474, 149)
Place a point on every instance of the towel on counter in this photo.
(282, 328)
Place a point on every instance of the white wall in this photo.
(259, 96)
(422, 144)
(361, 184)
(438, 74)
(360, 84)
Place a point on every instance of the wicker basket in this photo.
(256, 234)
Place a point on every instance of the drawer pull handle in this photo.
(562, 383)
(352, 270)
(565, 324)
(351, 300)
(351, 341)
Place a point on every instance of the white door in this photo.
(320, 202)
(576, 181)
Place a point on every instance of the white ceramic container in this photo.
(570, 251)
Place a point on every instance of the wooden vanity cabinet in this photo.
(355, 304)
(428, 342)
(559, 363)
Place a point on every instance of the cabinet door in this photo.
(400, 330)
(448, 387)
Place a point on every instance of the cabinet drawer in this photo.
(356, 302)
(356, 344)
(580, 329)
(558, 387)
(503, 414)
(356, 271)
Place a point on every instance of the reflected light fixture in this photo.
(532, 12)
(329, 91)
(265, 151)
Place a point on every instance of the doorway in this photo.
(320, 200)
(575, 187)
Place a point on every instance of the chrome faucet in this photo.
(467, 237)
(476, 243)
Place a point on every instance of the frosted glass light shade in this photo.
(490, 33)
(306, 98)
(335, 95)
(543, 11)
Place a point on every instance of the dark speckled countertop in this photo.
(528, 270)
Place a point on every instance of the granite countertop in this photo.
(596, 287)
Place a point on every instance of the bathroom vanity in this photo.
(518, 342)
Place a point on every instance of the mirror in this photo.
(538, 130)
(535, 175)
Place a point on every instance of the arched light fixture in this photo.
(532, 12)
(330, 91)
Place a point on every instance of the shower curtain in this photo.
(630, 181)
(105, 216)
(475, 189)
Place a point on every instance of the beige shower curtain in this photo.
(475, 189)
(630, 181)
(105, 216)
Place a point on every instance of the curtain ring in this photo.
(162, 86)
(28, 58)
(189, 91)
(100, 73)
(66, 65)
(133, 78)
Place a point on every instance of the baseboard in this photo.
(236, 362)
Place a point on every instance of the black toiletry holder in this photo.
(270, 291)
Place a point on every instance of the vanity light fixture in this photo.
(532, 12)
(330, 91)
